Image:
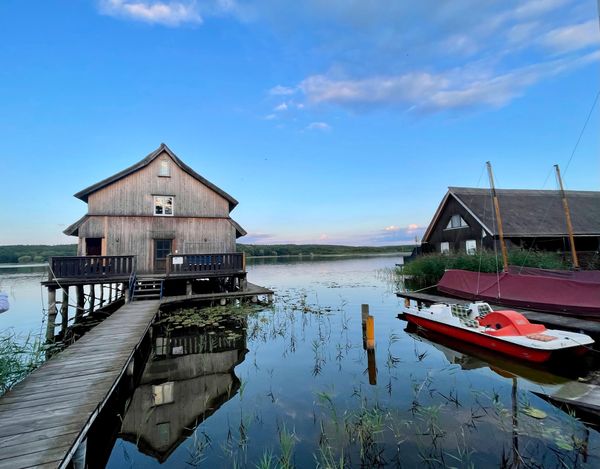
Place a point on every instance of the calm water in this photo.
(291, 385)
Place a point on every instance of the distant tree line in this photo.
(24, 254)
(259, 250)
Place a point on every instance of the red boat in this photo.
(506, 332)
(569, 293)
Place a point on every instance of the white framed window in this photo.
(164, 169)
(163, 205)
(471, 246)
(162, 393)
(456, 221)
(444, 247)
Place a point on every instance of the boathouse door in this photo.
(162, 248)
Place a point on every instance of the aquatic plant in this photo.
(19, 356)
(428, 269)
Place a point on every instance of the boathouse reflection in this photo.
(190, 376)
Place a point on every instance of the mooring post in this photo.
(126, 290)
(188, 288)
(51, 314)
(371, 364)
(364, 313)
(64, 311)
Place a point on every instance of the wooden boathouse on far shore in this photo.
(155, 229)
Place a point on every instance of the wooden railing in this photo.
(205, 263)
(91, 266)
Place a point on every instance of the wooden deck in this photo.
(46, 416)
(250, 291)
(555, 320)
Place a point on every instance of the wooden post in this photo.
(101, 295)
(110, 293)
(51, 314)
(244, 261)
(92, 298)
(498, 217)
(64, 311)
(188, 288)
(126, 289)
(80, 302)
(370, 332)
(372, 366)
(364, 312)
(575, 260)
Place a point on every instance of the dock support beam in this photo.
(188, 288)
(101, 295)
(64, 311)
(80, 302)
(51, 314)
(92, 297)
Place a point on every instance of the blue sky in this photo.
(337, 121)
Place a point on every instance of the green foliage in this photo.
(18, 357)
(36, 253)
(430, 268)
(253, 250)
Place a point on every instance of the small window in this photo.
(471, 246)
(456, 222)
(164, 169)
(162, 393)
(163, 205)
(444, 247)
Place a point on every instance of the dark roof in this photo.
(528, 213)
(84, 194)
(239, 231)
(73, 230)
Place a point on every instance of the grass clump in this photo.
(18, 357)
(429, 268)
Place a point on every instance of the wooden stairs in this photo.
(147, 288)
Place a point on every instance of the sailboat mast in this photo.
(498, 217)
(568, 217)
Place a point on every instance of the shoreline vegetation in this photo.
(429, 268)
(28, 255)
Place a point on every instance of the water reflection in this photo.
(190, 376)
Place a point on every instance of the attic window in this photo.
(456, 222)
(163, 205)
(164, 169)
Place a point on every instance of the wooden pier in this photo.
(46, 416)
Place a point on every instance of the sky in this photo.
(330, 121)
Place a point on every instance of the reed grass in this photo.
(429, 268)
(19, 356)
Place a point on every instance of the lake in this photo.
(291, 384)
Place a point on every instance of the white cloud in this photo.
(464, 87)
(281, 107)
(572, 37)
(168, 13)
(392, 228)
(282, 90)
(322, 126)
(270, 117)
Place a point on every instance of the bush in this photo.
(24, 259)
(430, 268)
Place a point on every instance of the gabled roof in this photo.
(85, 193)
(527, 213)
(73, 230)
(239, 231)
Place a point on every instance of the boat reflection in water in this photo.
(190, 375)
(471, 357)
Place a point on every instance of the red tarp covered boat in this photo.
(570, 293)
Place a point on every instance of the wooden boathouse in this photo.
(156, 228)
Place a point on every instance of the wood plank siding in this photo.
(133, 195)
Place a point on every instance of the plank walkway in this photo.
(556, 320)
(251, 290)
(44, 418)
